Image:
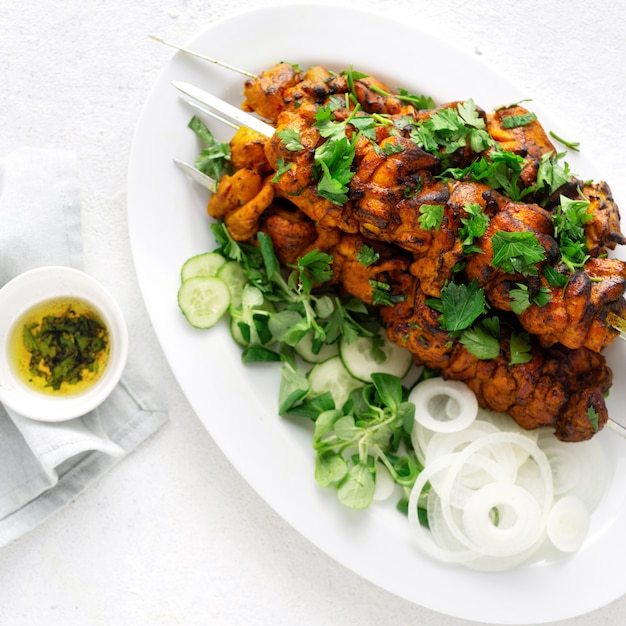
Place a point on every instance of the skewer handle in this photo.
(224, 108)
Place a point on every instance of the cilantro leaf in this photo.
(516, 252)
(483, 339)
(367, 256)
(431, 216)
(213, 159)
(290, 138)
(569, 221)
(593, 416)
(521, 300)
(461, 305)
(473, 226)
(514, 121)
(335, 160)
(520, 347)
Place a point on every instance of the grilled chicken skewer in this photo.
(599, 285)
(572, 426)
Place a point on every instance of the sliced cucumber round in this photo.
(332, 376)
(233, 275)
(203, 300)
(304, 349)
(205, 264)
(360, 359)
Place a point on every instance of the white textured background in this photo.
(173, 536)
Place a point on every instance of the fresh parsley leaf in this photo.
(335, 160)
(431, 216)
(520, 298)
(514, 121)
(473, 226)
(367, 256)
(213, 159)
(569, 221)
(501, 171)
(282, 167)
(290, 138)
(520, 348)
(593, 416)
(516, 252)
(314, 268)
(551, 175)
(572, 145)
(461, 305)
(483, 339)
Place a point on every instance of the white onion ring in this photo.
(519, 527)
(426, 391)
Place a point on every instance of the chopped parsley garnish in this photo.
(514, 121)
(367, 256)
(516, 252)
(569, 221)
(290, 138)
(593, 416)
(483, 339)
(213, 159)
(450, 129)
(572, 145)
(521, 300)
(520, 347)
(500, 171)
(473, 226)
(460, 305)
(431, 216)
(63, 347)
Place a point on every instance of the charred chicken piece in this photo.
(528, 140)
(558, 387)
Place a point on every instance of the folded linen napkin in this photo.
(45, 465)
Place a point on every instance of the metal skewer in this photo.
(204, 57)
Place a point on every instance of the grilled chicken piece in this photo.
(510, 216)
(247, 150)
(527, 140)
(233, 192)
(297, 183)
(415, 325)
(603, 230)
(265, 95)
(558, 387)
(286, 88)
(240, 200)
(572, 312)
(291, 232)
(355, 277)
(387, 173)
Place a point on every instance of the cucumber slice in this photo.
(233, 275)
(304, 348)
(331, 375)
(205, 264)
(237, 316)
(203, 300)
(358, 359)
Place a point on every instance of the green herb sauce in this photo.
(60, 346)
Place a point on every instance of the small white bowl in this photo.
(47, 283)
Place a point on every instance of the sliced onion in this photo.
(432, 396)
(568, 523)
(519, 523)
(423, 536)
(496, 490)
(578, 468)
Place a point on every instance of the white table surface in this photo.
(173, 535)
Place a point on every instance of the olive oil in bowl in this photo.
(59, 346)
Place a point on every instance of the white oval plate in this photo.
(237, 404)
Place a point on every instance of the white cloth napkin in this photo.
(45, 465)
